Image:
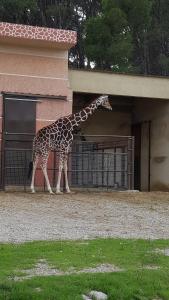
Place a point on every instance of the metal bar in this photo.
(19, 133)
(132, 162)
(3, 148)
(123, 166)
(59, 97)
(107, 135)
(107, 173)
(102, 158)
(23, 100)
(149, 156)
(79, 170)
(128, 175)
(82, 160)
(115, 157)
(54, 174)
(25, 171)
(100, 154)
(77, 154)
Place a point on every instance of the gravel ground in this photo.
(27, 217)
(43, 269)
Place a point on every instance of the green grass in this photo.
(134, 282)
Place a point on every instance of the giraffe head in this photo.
(104, 102)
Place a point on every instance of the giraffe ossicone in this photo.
(58, 136)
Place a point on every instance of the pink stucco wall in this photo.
(34, 61)
(35, 66)
(31, 73)
(48, 111)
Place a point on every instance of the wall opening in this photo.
(19, 127)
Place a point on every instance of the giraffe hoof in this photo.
(33, 192)
(58, 193)
(51, 193)
(69, 192)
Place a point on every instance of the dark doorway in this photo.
(18, 132)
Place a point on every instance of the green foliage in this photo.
(108, 40)
(159, 38)
(18, 11)
(139, 17)
(117, 35)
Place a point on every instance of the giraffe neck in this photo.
(83, 115)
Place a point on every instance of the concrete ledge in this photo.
(119, 84)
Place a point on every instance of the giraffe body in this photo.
(58, 136)
(54, 137)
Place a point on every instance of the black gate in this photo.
(105, 162)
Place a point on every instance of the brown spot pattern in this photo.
(38, 33)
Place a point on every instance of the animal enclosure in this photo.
(105, 162)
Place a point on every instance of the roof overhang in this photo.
(96, 82)
(34, 36)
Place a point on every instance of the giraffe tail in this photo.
(30, 169)
(31, 162)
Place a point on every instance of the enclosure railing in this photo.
(105, 162)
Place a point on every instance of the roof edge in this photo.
(67, 38)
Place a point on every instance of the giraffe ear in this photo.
(105, 97)
(106, 104)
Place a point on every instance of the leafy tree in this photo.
(108, 40)
(138, 14)
(18, 11)
(159, 38)
(118, 35)
(69, 14)
(84, 11)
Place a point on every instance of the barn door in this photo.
(19, 130)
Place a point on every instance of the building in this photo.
(34, 86)
(37, 87)
(140, 108)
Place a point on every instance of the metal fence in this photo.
(105, 162)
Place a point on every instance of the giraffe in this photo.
(58, 136)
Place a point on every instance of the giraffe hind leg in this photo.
(44, 169)
(35, 162)
(58, 191)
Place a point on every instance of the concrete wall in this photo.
(108, 123)
(158, 113)
(119, 84)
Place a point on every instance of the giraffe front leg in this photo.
(58, 191)
(66, 177)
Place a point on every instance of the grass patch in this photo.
(135, 282)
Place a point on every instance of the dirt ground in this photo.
(27, 217)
